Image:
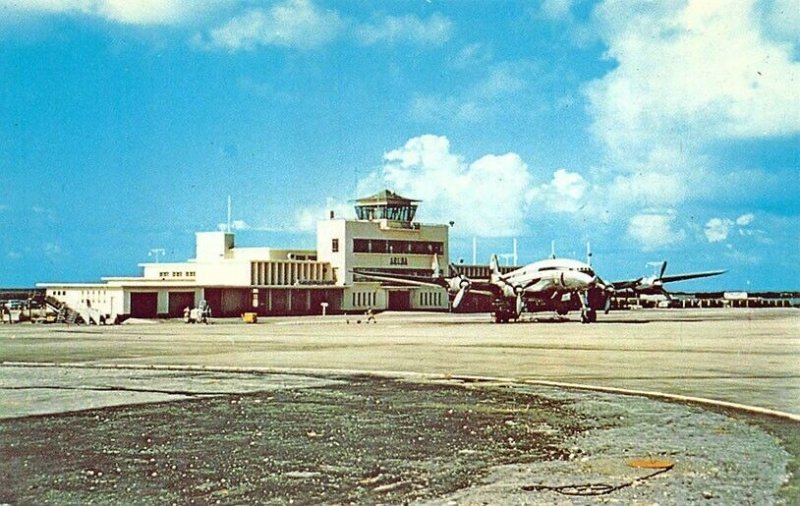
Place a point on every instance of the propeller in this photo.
(658, 283)
(609, 292)
(459, 297)
(520, 303)
(460, 284)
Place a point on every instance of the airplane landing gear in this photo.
(588, 314)
(502, 316)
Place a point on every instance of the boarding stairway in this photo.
(75, 315)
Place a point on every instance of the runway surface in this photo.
(742, 357)
(748, 357)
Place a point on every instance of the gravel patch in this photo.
(704, 458)
(368, 440)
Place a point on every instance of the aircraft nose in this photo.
(578, 280)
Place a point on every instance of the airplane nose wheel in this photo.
(588, 316)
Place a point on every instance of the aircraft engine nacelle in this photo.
(510, 291)
(646, 283)
(575, 280)
(458, 288)
(459, 283)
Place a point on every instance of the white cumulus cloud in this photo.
(556, 9)
(486, 197)
(132, 12)
(745, 219)
(477, 102)
(719, 229)
(435, 30)
(235, 225)
(564, 193)
(689, 76)
(698, 70)
(646, 189)
(654, 229)
(294, 23)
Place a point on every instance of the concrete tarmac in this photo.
(748, 358)
(743, 356)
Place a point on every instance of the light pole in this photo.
(155, 252)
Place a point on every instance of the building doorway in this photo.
(178, 301)
(399, 300)
(144, 305)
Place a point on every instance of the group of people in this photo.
(5, 314)
(199, 314)
(369, 317)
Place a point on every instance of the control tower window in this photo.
(394, 213)
(386, 205)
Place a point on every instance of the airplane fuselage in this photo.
(550, 276)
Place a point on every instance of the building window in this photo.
(335, 245)
(397, 247)
(364, 299)
(163, 274)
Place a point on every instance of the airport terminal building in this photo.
(270, 281)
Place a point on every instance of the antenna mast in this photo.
(155, 252)
(515, 252)
(229, 215)
(474, 250)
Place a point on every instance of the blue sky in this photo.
(655, 130)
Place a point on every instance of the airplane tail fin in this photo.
(494, 268)
(437, 271)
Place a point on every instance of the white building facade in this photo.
(270, 281)
(384, 238)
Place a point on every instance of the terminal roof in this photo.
(386, 205)
(386, 197)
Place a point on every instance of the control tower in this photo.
(383, 237)
(387, 205)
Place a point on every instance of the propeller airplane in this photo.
(553, 284)
(654, 285)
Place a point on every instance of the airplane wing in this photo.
(485, 292)
(690, 275)
(476, 286)
(626, 284)
(643, 283)
(408, 279)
